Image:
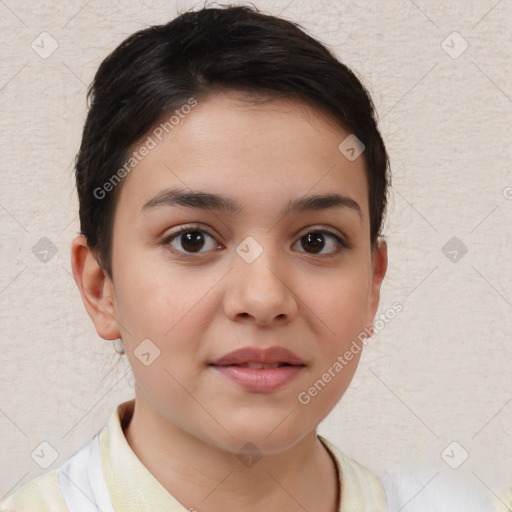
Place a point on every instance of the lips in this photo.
(258, 358)
(257, 370)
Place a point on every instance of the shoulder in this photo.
(42, 494)
(361, 489)
(442, 492)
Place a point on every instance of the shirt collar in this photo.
(131, 485)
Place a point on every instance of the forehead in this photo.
(264, 154)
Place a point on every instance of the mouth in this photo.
(259, 370)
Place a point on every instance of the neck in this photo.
(204, 477)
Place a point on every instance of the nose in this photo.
(260, 291)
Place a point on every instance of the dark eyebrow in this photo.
(321, 202)
(209, 201)
(193, 199)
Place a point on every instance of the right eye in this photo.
(190, 240)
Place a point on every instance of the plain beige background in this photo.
(434, 384)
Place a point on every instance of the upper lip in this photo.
(259, 355)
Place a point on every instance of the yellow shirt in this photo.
(132, 488)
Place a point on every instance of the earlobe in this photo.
(96, 289)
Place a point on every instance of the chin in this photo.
(267, 438)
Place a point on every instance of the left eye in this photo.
(316, 240)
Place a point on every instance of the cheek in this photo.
(341, 304)
(171, 308)
(152, 300)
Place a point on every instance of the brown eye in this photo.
(190, 240)
(315, 242)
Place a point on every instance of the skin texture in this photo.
(189, 421)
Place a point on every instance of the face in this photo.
(197, 282)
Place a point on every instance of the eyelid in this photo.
(324, 228)
(185, 228)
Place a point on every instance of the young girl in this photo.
(232, 185)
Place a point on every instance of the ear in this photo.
(96, 288)
(379, 267)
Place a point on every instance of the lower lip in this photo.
(259, 380)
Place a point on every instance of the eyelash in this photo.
(341, 244)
